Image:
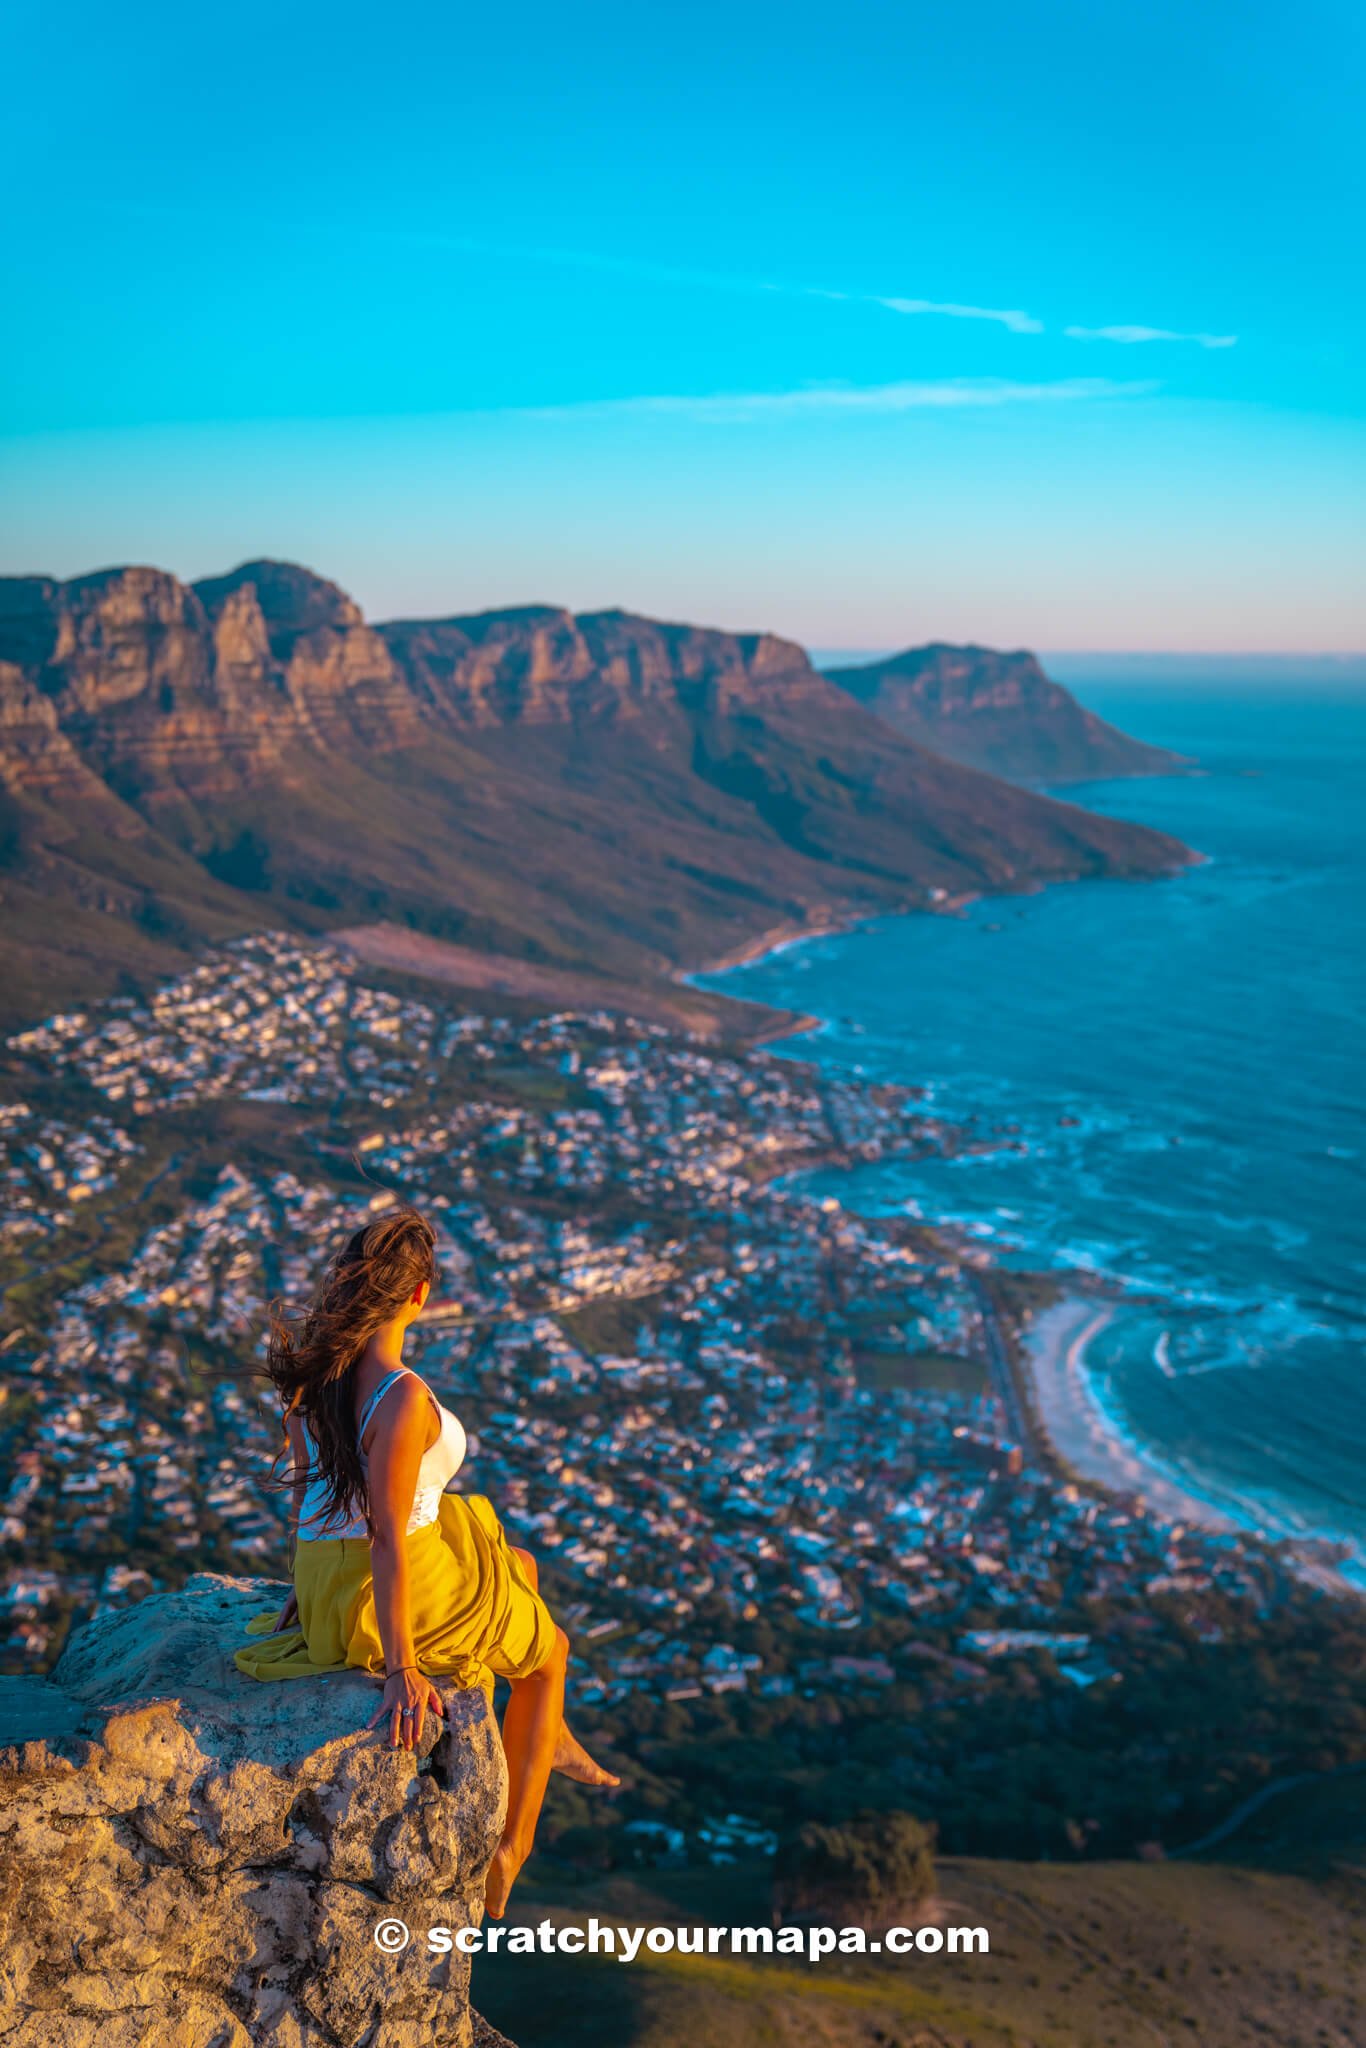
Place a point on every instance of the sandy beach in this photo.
(1082, 1435)
(1069, 1412)
(821, 924)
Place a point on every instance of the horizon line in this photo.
(880, 653)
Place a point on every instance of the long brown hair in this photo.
(312, 1360)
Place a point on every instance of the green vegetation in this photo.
(1004, 1756)
(874, 1863)
(1316, 1829)
(921, 1371)
(607, 1328)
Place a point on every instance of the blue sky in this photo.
(1025, 323)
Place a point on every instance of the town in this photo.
(722, 1412)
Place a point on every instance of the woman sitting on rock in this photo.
(392, 1574)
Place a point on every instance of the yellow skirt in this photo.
(474, 1612)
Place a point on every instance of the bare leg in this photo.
(570, 1758)
(531, 1728)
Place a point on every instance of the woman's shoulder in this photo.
(395, 1401)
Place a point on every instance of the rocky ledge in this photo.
(190, 1857)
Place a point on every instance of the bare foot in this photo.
(507, 1861)
(573, 1760)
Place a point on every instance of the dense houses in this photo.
(51, 1166)
(692, 1389)
(267, 1018)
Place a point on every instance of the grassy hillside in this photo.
(1116, 1955)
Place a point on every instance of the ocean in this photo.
(1177, 1068)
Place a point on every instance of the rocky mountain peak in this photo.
(292, 600)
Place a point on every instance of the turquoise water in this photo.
(1180, 1063)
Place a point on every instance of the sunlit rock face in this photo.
(189, 1856)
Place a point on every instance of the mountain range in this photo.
(598, 793)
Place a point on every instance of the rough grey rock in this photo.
(194, 1859)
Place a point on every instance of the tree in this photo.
(874, 1863)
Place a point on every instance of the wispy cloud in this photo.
(1014, 319)
(1132, 334)
(739, 407)
(726, 281)
(1017, 322)
(642, 270)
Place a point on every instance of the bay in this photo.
(1177, 1068)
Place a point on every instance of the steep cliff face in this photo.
(123, 658)
(192, 1857)
(603, 793)
(326, 676)
(543, 667)
(1001, 713)
(168, 692)
(40, 761)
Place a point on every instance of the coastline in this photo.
(778, 938)
(790, 1024)
(1075, 1408)
(1053, 1348)
(1067, 1410)
(828, 923)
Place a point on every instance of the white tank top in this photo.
(439, 1466)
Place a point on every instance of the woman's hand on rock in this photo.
(289, 1615)
(408, 1699)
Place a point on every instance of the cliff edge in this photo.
(191, 1857)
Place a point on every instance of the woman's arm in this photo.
(398, 1441)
